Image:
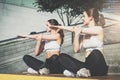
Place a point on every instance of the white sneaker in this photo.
(44, 71)
(83, 73)
(68, 73)
(32, 71)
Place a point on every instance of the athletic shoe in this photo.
(83, 73)
(44, 71)
(32, 71)
(68, 73)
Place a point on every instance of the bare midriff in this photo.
(51, 53)
(87, 53)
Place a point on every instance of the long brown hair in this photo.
(93, 12)
(99, 18)
(55, 22)
(101, 21)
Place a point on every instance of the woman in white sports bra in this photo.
(51, 43)
(89, 37)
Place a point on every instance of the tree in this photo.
(70, 10)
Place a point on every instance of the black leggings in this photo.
(95, 62)
(52, 64)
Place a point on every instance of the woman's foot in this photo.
(32, 71)
(44, 71)
(83, 72)
(68, 73)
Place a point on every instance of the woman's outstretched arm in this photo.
(68, 28)
(38, 48)
(77, 40)
(35, 36)
(38, 37)
(92, 30)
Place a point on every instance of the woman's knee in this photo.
(26, 57)
(53, 58)
(96, 53)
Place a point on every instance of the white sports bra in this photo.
(51, 46)
(92, 43)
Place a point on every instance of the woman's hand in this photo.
(21, 36)
(52, 26)
(36, 37)
(77, 31)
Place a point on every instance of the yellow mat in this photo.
(31, 77)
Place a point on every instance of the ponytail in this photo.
(101, 21)
(61, 34)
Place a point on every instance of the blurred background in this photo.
(21, 17)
